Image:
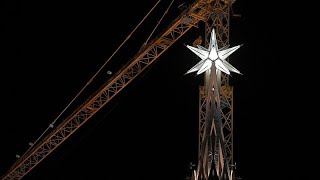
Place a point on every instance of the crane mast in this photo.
(215, 13)
(216, 109)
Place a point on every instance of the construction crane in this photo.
(215, 14)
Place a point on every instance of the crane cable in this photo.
(90, 80)
(146, 71)
(144, 44)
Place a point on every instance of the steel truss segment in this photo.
(227, 130)
(227, 120)
(202, 118)
(222, 150)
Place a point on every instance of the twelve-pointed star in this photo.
(213, 55)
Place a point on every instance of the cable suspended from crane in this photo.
(145, 43)
(40, 149)
(91, 79)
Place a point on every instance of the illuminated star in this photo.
(213, 55)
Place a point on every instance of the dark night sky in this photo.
(149, 130)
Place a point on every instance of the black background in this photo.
(149, 130)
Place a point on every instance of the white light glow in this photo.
(211, 55)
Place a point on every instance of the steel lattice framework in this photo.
(201, 10)
(210, 148)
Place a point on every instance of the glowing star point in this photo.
(213, 55)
